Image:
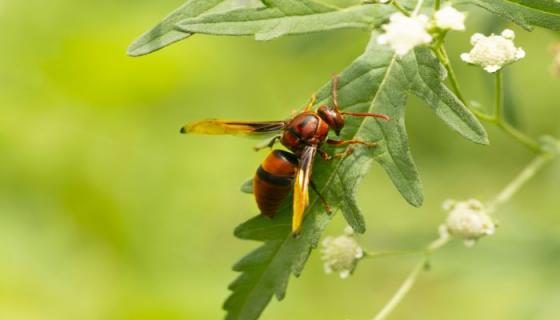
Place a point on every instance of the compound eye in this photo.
(332, 117)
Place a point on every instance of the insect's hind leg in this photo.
(323, 200)
(269, 143)
(339, 155)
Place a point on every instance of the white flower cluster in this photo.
(467, 220)
(494, 51)
(341, 254)
(448, 18)
(403, 33)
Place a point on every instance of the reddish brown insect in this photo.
(282, 171)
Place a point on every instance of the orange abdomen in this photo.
(274, 180)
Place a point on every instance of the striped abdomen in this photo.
(273, 181)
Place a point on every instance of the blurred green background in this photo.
(106, 212)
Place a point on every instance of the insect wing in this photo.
(215, 127)
(301, 187)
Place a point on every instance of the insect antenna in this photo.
(367, 114)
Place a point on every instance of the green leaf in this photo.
(526, 13)
(286, 17)
(378, 81)
(165, 32)
(247, 186)
(293, 7)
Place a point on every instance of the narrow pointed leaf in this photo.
(165, 33)
(293, 7)
(525, 13)
(428, 85)
(247, 186)
(292, 17)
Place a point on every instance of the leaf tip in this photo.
(480, 137)
(135, 48)
(239, 231)
(483, 138)
(361, 228)
(417, 200)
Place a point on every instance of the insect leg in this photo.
(269, 143)
(311, 103)
(334, 88)
(325, 156)
(325, 204)
(346, 142)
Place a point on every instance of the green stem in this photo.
(519, 136)
(437, 4)
(436, 245)
(408, 283)
(499, 107)
(481, 115)
(399, 7)
(505, 195)
(383, 254)
(496, 119)
(525, 175)
(401, 292)
(441, 53)
(418, 7)
(500, 121)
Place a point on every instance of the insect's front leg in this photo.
(347, 142)
(323, 200)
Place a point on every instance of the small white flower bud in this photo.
(448, 18)
(341, 254)
(508, 34)
(403, 33)
(468, 220)
(493, 52)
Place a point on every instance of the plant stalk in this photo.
(417, 8)
(499, 107)
(400, 8)
(408, 283)
(496, 119)
(520, 180)
(383, 254)
(401, 292)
